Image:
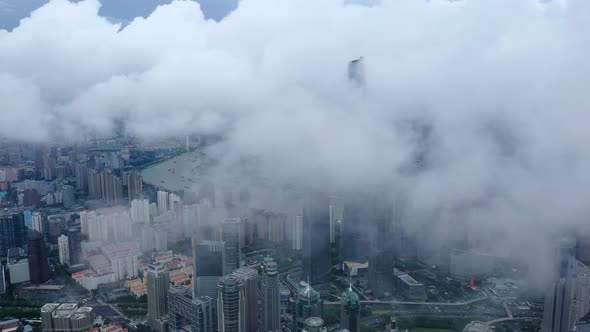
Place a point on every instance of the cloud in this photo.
(471, 106)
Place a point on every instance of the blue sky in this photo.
(12, 11)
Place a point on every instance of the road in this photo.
(419, 303)
(112, 307)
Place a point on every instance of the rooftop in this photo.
(408, 280)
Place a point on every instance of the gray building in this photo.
(231, 305)
(381, 278)
(157, 286)
(250, 278)
(68, 197)
(306, 303)
(13, 231)
(271, 297)
(553, 309)
(410, 288)
(208, 257)
(317, 260)
(569, 300)
(66, 317)
(231, 234)
(190, 314)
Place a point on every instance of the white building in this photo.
(19, 271)
(85, 218)
(298, 233)
(37, 220)
(64, 250)
(140, 211)
(162, 201)
(125, 267)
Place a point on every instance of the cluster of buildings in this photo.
(66, 317)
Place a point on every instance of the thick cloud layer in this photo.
(477, 108)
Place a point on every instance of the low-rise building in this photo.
(410, 288)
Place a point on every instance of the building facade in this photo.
(157, 284)
(250, 279)
(208, 257)
(231, 233)
(38, 265)
(185, 311)
(231, 305)
(271, 297)
(317, 260)
(64, 250)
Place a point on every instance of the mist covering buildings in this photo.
(468, 137)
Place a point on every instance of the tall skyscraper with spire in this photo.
(350, 311)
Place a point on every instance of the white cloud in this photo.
(502, 85)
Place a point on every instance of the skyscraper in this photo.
(250, 279)
(12, 230)
(355, 239)
(553, 315)
(208, 257)
(317, 261)
(231, 304)
(157, 285)
(350, 311)
(366, 227)
(38, 265)
(271, 301)
(381, 278)
(64, 250)
(75, 244)
(231, 235)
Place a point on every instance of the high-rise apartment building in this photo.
(271, 297)
(64, 250)
(162, 197)
(157, 284)
(140, 211)
(37, 221)
(208, 257)
(134, 182)
(231, 304)
(231, 235)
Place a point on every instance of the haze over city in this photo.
(450, 134)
